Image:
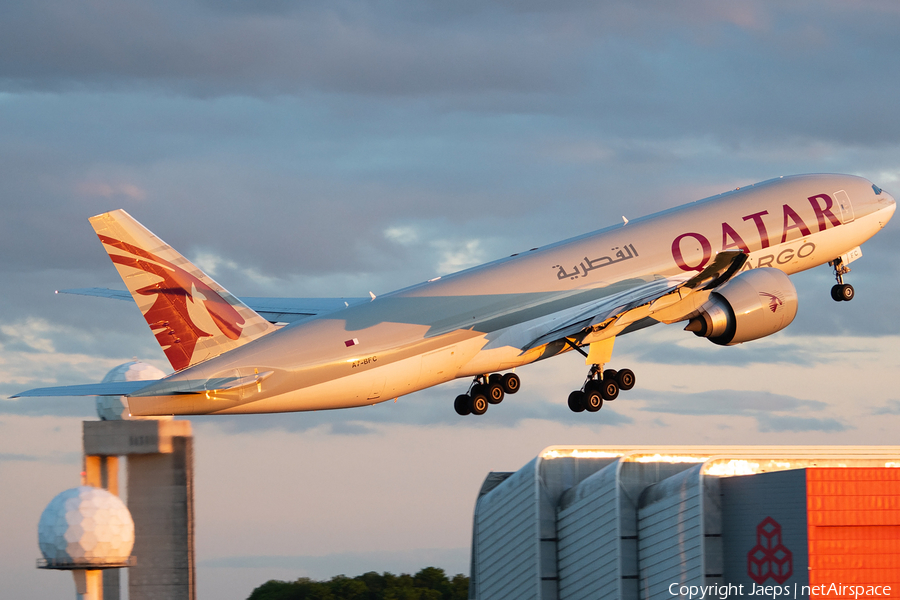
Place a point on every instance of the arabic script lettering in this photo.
(587, 265)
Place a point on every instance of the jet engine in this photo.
(752, 305)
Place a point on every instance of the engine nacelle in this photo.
(754, 304)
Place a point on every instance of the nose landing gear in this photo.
(485, 390)
(842, 292)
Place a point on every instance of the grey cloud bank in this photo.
(333, 148)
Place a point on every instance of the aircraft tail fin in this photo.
(192, 316)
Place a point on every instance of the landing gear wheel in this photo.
(625, 378)
(593, 401)
(847, 292)
(495, 378)
(576, 402)
(462, 404)
(478, 404)
(610, 374)
(511, 383)
(842, 292)
(610, 389)
(495, 393)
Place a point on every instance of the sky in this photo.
(337, 148)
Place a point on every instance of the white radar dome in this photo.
(114, 408)
(86, 526)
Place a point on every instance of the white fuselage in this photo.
(484, 319)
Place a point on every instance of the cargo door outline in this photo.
(843, 202)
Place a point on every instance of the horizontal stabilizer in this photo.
(112, 388)
(159, 387)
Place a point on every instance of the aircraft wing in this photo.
(274, 310)
(661, 300)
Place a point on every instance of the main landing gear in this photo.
(600, 386)
(486, 389)
(842, 291)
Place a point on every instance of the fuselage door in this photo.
(843, 201)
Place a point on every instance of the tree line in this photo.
(430, 583)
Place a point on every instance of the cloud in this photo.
(65, 458)
(635, 70)
(63, 350)
(30, 353)
(777, 423)
(345, 47)
(352, 428)
(83, 407)
(772, 412)
(456, 256)
(28, 336)
(741, 355)
(725, 402)
(111, 191)
(891, 407)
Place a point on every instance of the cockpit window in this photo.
(877, 189)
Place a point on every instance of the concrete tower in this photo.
(160, 497)
(159, 488)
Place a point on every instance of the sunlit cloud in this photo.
(404, 235)
(456, 256)
(104, 189)
(30, 334)
(215, 265)
(29, 356)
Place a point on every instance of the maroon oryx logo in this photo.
(774, 301)
(769, 557)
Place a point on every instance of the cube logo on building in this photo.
(769, 557)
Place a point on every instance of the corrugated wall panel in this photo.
(670, 535)
(854, 527)
(490, 482)
(508, 543)
(588, 532)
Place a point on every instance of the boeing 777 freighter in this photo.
(719, 265)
